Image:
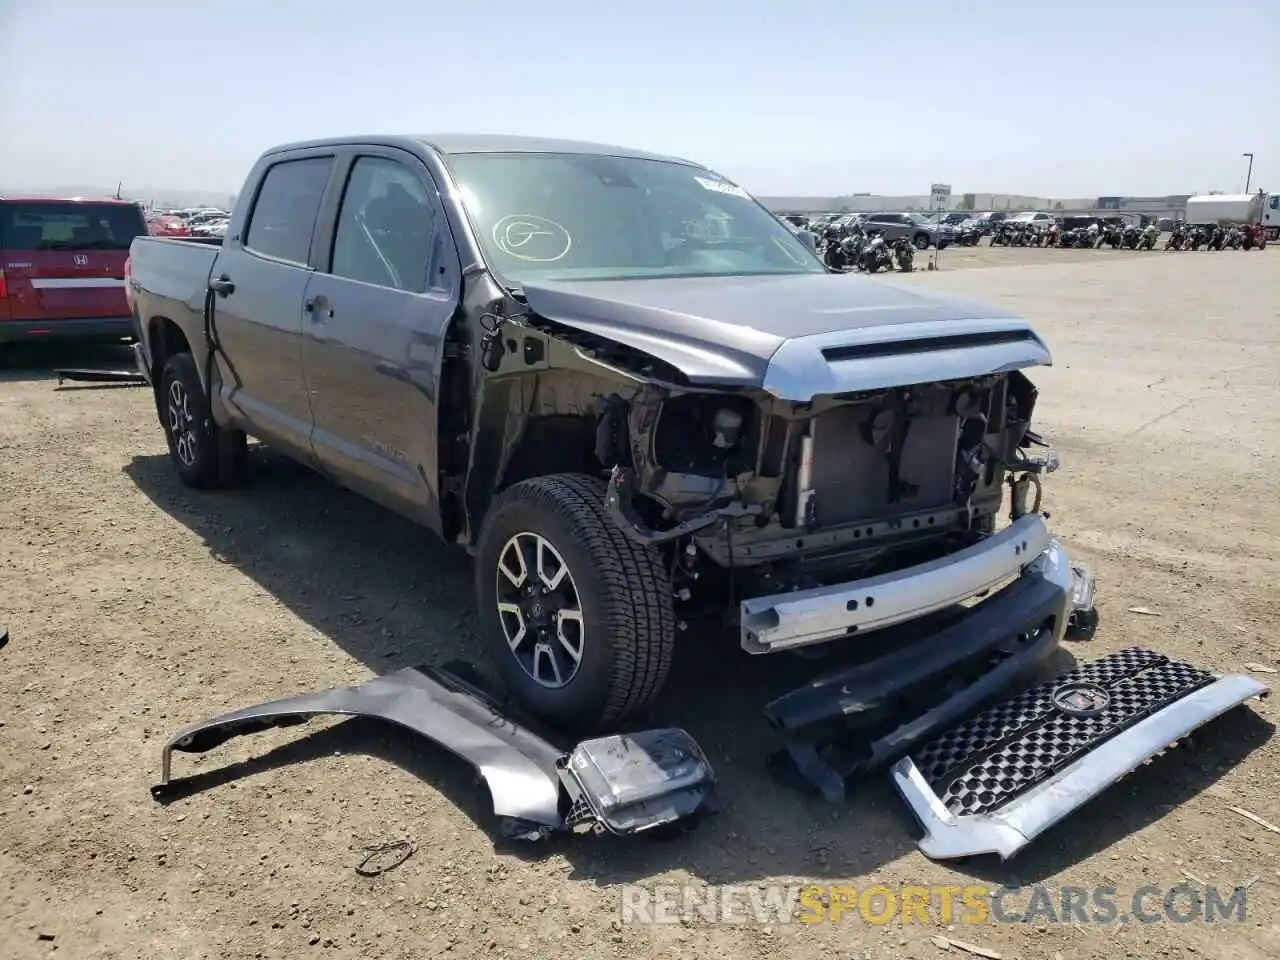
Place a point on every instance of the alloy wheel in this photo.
(540, 610)
(182, 423)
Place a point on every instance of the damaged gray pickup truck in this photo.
(642, 403)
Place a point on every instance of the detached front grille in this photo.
(1006, 750)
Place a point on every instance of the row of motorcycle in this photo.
(852, 247)
(1096, 235)
(1216, 237)
(1184, 236)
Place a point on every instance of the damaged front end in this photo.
(811, 521)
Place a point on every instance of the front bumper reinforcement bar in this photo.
(998, 780)
(787, 620)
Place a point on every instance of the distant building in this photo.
(1173, 205)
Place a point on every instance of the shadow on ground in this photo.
(41, 361)
(391, 595)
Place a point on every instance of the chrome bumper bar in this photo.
(1011, 827)
(789, 620)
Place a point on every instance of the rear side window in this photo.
(284, 215)
(69, 225)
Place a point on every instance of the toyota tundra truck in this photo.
(642, 404)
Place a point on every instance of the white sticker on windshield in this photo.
(722, 186)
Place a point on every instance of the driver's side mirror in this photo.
(809, 240)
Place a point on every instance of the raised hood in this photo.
(798, 336)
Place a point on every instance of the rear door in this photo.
(259, 324)
(376, 313)
(64, 259)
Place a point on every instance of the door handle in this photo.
(222, 286)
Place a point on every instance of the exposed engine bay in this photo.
(795, 494)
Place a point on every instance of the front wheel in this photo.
(578, 619)
(921, 241)
(204, 454)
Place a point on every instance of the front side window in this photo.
(387, 232)
(284, 215)
(588, 217)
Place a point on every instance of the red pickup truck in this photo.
(62, 265)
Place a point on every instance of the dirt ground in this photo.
(136, 606)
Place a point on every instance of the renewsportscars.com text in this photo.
(933, 904)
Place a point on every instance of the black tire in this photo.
(920, 241)
(622, 588)
(205, 455)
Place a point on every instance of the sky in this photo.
(786, 97)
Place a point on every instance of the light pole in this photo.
(1248, 177)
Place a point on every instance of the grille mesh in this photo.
(986, 761)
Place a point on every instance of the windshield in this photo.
(589, 217)
(69, 225)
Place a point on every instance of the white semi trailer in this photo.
(1238, 208)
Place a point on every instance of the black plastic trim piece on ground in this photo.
(1011, 633)
(129, 378)
(1020, 607)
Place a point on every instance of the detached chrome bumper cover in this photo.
(788, 620)
(1022, 739)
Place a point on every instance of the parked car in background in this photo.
(990, 219)
(1035, 218)
(166, 225)
(918, 229)
(62, 267)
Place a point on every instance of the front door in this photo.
(375, 317)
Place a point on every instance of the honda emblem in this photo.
(80, 259)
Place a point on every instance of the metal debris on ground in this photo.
(370, 867)
(1260, 668)
(123, 377)
(4, 637)
(946, 943)
(1143, 611)
(1265, 824)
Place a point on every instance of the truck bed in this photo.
(169, 276)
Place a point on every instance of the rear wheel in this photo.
(578, 619)
(921, 241)
(204, 454)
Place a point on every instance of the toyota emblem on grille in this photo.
(1081, 699)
